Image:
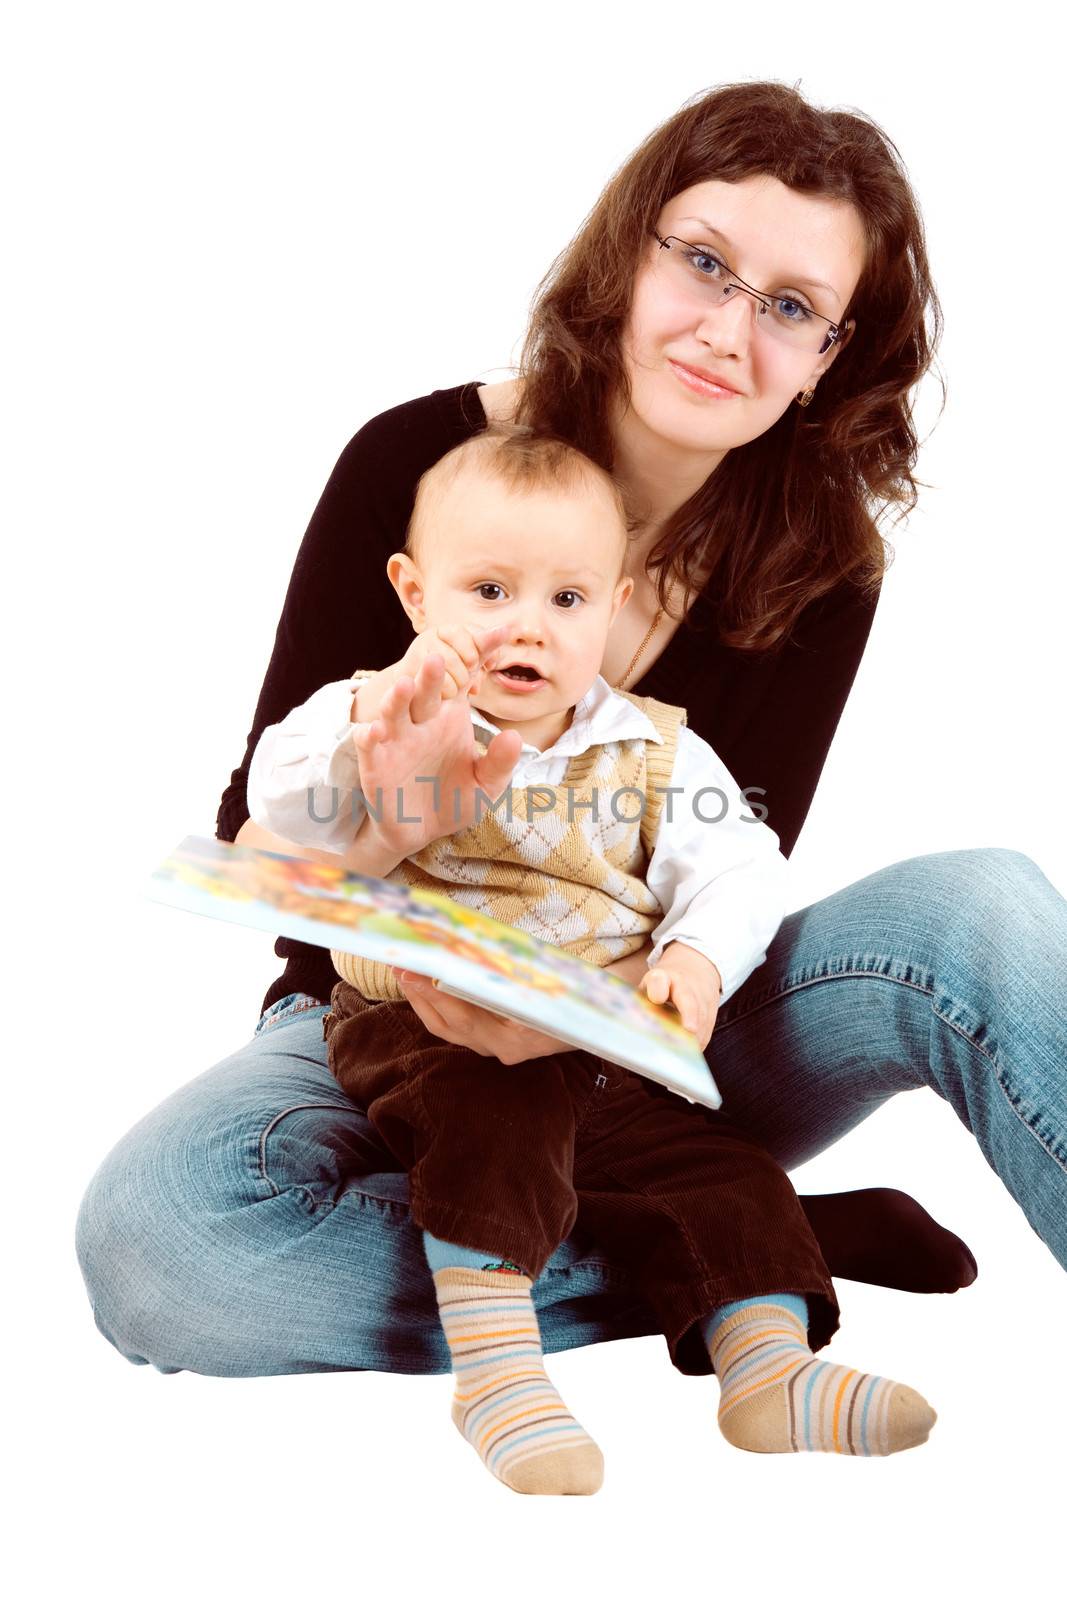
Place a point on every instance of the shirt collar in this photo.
(600, 717)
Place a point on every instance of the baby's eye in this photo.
(573, 594)
(484, 586)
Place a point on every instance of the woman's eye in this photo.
(792, 310)
(483, 586)
(704, 263)
(573, 594)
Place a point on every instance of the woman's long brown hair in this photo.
(800, 505)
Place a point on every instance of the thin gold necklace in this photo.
(639, 652)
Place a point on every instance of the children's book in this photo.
(468, 954)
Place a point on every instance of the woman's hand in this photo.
(420, 764)
(479, 1030)
(693, 986)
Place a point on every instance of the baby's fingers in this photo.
(685, 1002)
(660, 987)
(693, 1016)
(494, 765)
(656, 986)
(488, 641)
(395, 704)
(457, 673)
(430, 688)
(393, 720)
(365, 735)
(488, 646)
(461, 641)
(688, 1012)
(463, 652)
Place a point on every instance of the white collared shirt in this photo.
(716, 871)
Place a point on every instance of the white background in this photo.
(236, 231)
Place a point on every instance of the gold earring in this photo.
(805, 397)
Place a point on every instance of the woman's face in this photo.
(777, 240)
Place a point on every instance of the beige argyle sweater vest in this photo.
(572, 875)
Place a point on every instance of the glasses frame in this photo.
(834, 329)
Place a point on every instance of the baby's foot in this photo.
(776, 1396)
(504, 1403)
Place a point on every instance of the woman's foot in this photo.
(504, 1403)
(883, 1236)
(777, 1397)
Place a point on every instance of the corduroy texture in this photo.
(511, 1158)
(570, 876)
(777, 1397)
(504, 1404)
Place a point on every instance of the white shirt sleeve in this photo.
(303, 781)
(716, 869)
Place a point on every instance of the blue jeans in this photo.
(254, 1223)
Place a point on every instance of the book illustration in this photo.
(473, 955)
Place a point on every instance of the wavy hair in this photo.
(803, 501)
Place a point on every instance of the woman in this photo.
(735, 333)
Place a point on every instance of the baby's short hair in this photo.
(521, 460)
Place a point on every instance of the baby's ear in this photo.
(406, 579)
(623, 590)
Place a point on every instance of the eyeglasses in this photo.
(698, 271)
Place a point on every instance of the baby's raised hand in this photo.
(420, 764)
(692, 985)
(466, 656)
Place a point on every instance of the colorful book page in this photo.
(471, 955)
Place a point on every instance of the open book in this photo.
(470, 955)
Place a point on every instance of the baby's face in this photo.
(548, 565)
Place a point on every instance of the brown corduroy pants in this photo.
(507, 1159)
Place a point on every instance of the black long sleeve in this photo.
(772, 717)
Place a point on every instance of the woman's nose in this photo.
(726, 328)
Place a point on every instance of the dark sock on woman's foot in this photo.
(884, 1236)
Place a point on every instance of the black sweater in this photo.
(769, 715)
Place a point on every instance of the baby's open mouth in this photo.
(520, 672)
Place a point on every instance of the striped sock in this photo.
(778, 1397)
(504, 1403)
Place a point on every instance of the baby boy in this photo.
(512, 575)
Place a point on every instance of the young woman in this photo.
(735, 333)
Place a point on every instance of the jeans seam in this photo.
(791, 987)
(1005, 1091)
(304, 1105)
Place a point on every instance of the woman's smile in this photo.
(697, 383)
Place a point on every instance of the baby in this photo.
(512, 575)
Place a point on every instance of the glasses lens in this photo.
(703, 277)
(792, 322)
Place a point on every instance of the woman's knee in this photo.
(983, 871)
(999, 900)
(989, 895)
(992, 873)
(181, 1218)
(116, 1238)
(989, 931)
